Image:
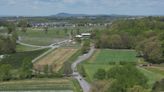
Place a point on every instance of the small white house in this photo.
(79, 36)
(1, 57)
(84, 35)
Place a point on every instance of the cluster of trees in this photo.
(85, 47)
(124, 78)
(146, 35)
(8, 40)
(7, 72)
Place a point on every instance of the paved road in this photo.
(83, 83)
(49, 46)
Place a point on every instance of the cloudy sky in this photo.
(51, 7)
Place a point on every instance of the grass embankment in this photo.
(153, 73)
(37, 84)
(77, 87)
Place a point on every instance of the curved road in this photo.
(83, 83)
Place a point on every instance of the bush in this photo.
(5, 72)
(100, 74)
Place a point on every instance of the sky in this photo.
(52, 7)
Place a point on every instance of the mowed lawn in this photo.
(38, 84)
(102, 59)
(106, 56)
(55, 59)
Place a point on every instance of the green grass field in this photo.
(37, 36)
(37, 84)
(107, 56)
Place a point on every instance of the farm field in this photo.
(36, 36)
(105, 56)
(16, 59)
(55, 59)
(65, 85)
(102, 59)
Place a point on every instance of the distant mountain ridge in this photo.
(69, 15)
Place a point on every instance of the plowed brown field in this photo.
(55, 59)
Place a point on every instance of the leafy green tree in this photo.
(11, 27)
(5, 72)
(9, 45)
(26, 69)
(100, 74)
(126, 76)
(115, 41)
(46, 30)
(23, 24)
(86, 47)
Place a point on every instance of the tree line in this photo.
(146, 35)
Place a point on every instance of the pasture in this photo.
(55, 59)
(106, 56)
(38, 84)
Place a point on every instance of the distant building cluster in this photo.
(64, 24)
(52, 24)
